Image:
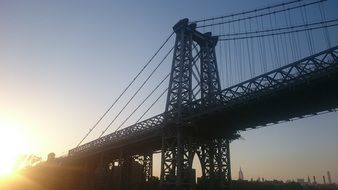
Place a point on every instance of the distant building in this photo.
(301, 181)
(324, 179)
(314, 180)
(329, 181)
(308, 180)
(51, 157)
(240, 174)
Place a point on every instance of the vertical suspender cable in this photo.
(248, 51)
(307, 32)
(229, 71)
(274, 46)
(325, 29)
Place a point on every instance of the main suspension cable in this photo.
(279, 29)
(261, 15)
(279, 33)
(151, 93)
(119, 97)
(138, 90)
(152, 105)
(247, 12)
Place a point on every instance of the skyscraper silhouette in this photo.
(240, 174)
(329, 177)
(314, 180)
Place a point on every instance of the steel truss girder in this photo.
(134, 130)
(317, 65)
(293, 73)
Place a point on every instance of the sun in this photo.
(12, 145)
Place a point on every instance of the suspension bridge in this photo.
(228, 74)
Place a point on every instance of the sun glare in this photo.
(12, 145)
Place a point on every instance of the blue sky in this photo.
(62, 63)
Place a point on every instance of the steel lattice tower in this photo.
(179, 145)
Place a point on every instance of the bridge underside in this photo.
(307, 97)
(295, 101)
(272, 107)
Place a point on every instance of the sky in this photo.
(62, 63)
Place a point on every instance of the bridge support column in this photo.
(215, 162)
(168, 158)
(118, 172)
(177, 157)
(115, 175)
(125, 169)
(185, 178)
(101, 174)
(88, 174)
(133, 171)
(77, 175)
(147, 166)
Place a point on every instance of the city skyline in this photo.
(63, 63)
(326, 179)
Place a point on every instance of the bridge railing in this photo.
(119, 135)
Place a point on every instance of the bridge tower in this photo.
(178, 144)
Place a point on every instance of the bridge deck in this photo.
(304, 87)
